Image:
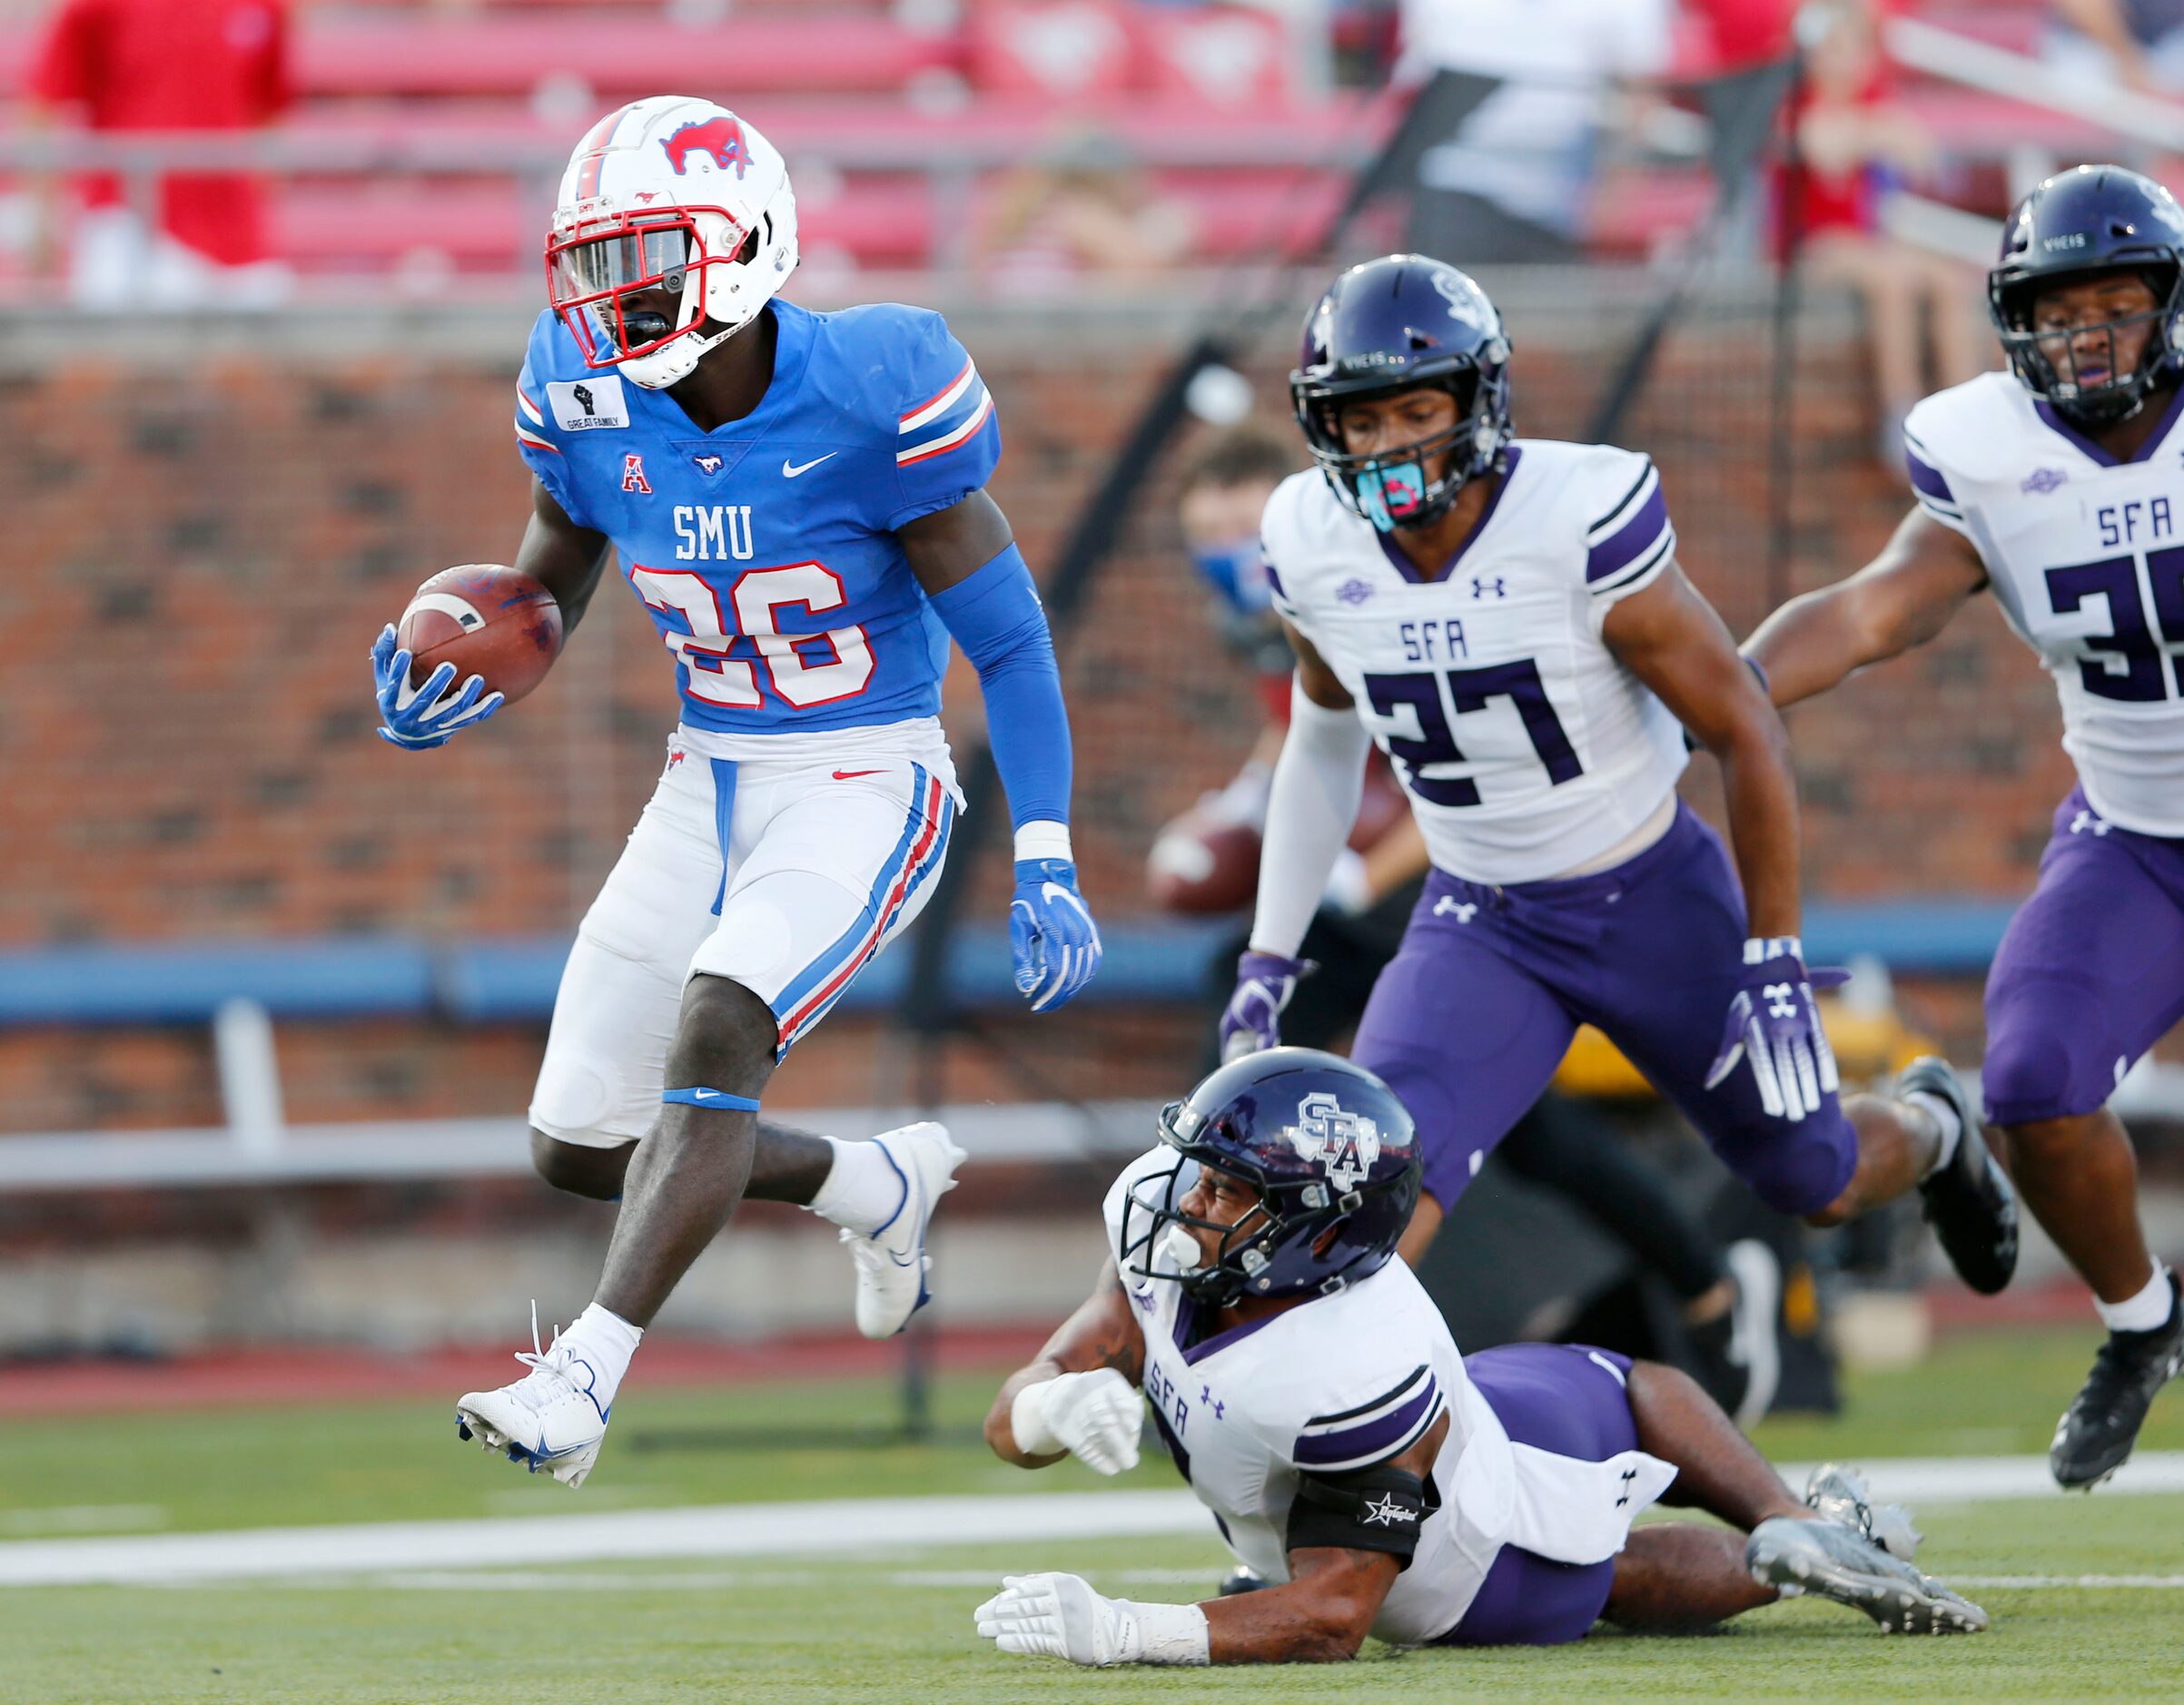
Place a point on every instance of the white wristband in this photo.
(1027, 1420)
(1165, 1634)
(1042, 838)
(1760, 949)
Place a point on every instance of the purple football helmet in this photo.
(2078, 224)
(1392, 323)
(1329, 1148)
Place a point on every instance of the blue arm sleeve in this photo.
(996, 617)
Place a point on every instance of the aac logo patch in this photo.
(633, 474)
(1347, 1145)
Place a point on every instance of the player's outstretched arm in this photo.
(1669, 636)
(1079, 1396)
(1319, 779)
(1349, 1537)
(967, 560)
(1902, 599)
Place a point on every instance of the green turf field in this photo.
(898, 1627)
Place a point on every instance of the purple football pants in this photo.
(1570, 1399)
(2091, 971)
(1470, 1018)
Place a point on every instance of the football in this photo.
(1199, 865)
(486, 619)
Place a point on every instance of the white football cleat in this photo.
(891, 1263)
(546, 1420)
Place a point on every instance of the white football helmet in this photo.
(669, 193)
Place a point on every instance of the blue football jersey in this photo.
(765, 551)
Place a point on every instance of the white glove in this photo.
(1096, 1417)
(1060, 1616)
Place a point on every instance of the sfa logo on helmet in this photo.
(1346, 1143)
(720, 138)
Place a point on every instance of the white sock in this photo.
(605, 1342)
(2149, 1308)
(863, 1189)
(1945, 1118)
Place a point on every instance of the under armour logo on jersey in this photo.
(1354, 591)
(1777, 997)
(1629, 1474)
(2041, 480)
(1205, 1395)
(1494, 588)
(1449, 906)
(633, 474)
(2085, 821)
(707, 464)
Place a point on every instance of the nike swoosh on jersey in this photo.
(851, 775)
(790, 470)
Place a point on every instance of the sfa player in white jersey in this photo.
(1507, 619)
(1307, 1388)
(2057, 487)
(798, 501)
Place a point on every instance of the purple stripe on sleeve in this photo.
(1926, 479)
(1641, 531)
(1274, 579)
(1374, 1438)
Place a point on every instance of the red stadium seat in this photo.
(770, 54)
(1062, 49)
(1223, 56)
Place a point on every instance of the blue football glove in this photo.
(1774, 1024)
(419, 717)
(1264, 983)
(1052, 934)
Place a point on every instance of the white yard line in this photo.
(858, 1527)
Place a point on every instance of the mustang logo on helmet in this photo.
(721, 138)
(1346, 1143)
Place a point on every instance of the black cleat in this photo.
(2095, 1435)
(1241, 1578)
(1970, 1201)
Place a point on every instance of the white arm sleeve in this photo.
(1319, 780)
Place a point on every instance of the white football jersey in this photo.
(2086, 557)
(1525, 746)
(1335, 1384)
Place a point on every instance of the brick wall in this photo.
(204, 545)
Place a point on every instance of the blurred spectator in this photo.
(1856, 144)
(2137, 43)
(150, 65)
(1083, 208)
(1512, 183)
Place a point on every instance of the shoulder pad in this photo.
(1978, 430)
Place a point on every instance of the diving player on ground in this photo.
(798, 501)
(2059, 490)
(1309, 1391)
(1507, 618)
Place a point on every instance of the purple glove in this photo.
(1773, 1023)
(1264, 983)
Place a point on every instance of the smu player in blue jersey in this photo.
(798, 501)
